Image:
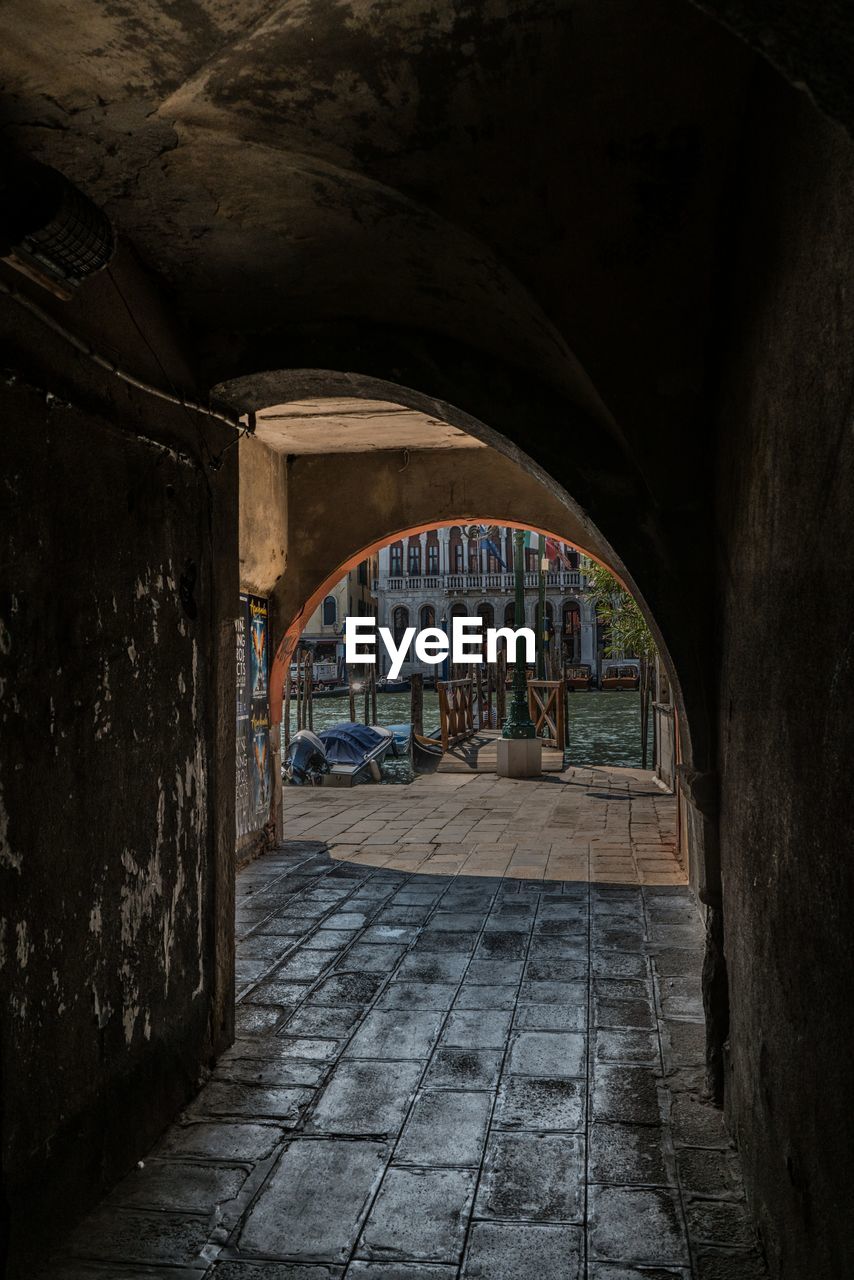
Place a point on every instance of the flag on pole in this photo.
(555, 551)
(489, 537)
(493, 551)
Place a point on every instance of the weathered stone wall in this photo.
(117, 596)
(785, 502)
(379, 495)
(263, 516)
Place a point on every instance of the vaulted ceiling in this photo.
(540, 180)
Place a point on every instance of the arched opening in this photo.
(486, 611)
(433, 554)
(571, 633)
(457, 555)
(400, 621)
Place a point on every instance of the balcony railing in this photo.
(481, 583)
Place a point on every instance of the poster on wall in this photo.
(254, 777)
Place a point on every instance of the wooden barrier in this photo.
(546, 702)
(456, 711)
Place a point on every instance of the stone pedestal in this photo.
(519, 758)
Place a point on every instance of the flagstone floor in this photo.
(469, 1044)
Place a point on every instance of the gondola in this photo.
(424, 752)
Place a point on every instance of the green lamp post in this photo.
(518, 723)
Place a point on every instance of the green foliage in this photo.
(629, 634)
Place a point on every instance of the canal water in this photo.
(604, 728)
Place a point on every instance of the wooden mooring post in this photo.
(352, 695)
(416, 703)
(501, 689)
(371, 696)
(309, 690)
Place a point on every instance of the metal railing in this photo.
(482, 583)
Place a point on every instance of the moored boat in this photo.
(343, 755)
(621, 675)
(578, 676)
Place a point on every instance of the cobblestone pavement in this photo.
(469, 1045)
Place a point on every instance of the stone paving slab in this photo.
(470, 1045)
(315, 1200)
(506, 1251)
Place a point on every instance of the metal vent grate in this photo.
(77, 240)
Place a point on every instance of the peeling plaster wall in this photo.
(116, 644)
(786, 502)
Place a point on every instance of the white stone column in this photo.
(588, 634)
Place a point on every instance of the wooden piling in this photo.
(309, 687)
(416, 703)
(501, 689)
(352, 695)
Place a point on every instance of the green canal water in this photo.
(604, 728)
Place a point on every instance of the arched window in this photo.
(432, 554)
(510, 614)
(427, 617)
(455, 546)
(486, 612)
(396, 550)
(399, 622)
(414, 562)
(330, 611)
(571, 617)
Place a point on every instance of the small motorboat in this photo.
(622, 675)
(402, 738)
(305, 760)
(578, 676)
(341, 756)
(384, 685)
